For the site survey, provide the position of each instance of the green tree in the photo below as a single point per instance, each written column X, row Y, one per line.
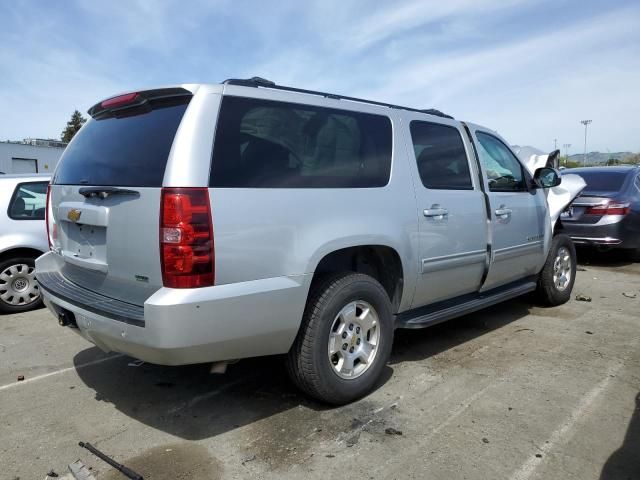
column 73, row 125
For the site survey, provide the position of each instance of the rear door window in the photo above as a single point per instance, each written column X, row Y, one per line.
column 28, row 201
column 267, row 144
column 128, row 150
column 441, row 157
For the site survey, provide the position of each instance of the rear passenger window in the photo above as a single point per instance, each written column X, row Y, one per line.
column 267, row 144
column 441, row 157
column 28, row 201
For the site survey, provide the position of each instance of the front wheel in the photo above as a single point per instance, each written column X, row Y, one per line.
column 345, row 339
column 558, row 275
column 19, row 290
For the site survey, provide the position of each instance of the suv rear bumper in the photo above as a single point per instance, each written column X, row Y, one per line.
column 184, row 326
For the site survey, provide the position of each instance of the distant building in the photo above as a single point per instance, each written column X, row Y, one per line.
column 32, row 155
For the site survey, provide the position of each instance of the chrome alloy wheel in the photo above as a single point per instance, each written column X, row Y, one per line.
column 562, row 269
column 18, row 285
column 353, row 340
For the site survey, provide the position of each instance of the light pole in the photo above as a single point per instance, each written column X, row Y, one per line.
column 555, row 143
column 566, row 153
column 586, row 124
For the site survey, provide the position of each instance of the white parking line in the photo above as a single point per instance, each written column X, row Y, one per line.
column 529, row 467
column 58, row 372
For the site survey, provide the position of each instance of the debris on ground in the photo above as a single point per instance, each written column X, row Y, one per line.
column 581, row 269
column 583, row 298
column 629, row 294
column 250, row 459
column 80, row 471
column 351, row 441
column 330, row 456
column 485, row 440
column 126, row 471
column 538, row 455
column 52, row 474
column 20, row 378
column 135, row 363
column 589, row 332
column 392, row 431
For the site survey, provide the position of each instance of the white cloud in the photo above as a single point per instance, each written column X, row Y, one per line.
column 482, row 60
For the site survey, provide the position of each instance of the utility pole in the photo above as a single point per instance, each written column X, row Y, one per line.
column 566, row 153
column 586, row 124
column 555, row 143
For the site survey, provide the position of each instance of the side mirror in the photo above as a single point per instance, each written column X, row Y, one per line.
column 546, row 177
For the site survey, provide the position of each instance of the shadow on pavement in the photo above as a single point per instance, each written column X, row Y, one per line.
column 624, row 463
column 612, row 258
column 191, row 404
column 417, row 345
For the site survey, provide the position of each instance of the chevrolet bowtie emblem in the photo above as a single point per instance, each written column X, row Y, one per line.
column 74, row 215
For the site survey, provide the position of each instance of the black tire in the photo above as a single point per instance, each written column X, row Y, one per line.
column 308, row 361
column 5, row 306
column 547, row 292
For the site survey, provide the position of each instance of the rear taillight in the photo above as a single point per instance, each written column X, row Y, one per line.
column 609, row 209
column 52, row 228
column 186, row 238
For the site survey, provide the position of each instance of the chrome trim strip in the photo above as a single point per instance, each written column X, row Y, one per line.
column 603, row 240
column 446, row 262
column 516, row 250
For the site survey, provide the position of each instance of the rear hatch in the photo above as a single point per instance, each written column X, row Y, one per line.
column 106, row 194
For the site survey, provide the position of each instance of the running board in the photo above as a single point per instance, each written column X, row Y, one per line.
column 433, row 314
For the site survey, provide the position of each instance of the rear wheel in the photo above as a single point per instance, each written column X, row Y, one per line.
column 19, row 290
column 345, row 338
column 558, row 275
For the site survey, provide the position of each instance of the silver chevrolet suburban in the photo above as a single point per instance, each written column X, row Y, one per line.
column 210, row 223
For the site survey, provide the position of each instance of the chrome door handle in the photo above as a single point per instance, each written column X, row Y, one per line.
column 503, row 211
column 436, row 211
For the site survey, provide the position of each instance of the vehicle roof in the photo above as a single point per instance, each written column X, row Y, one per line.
column 262, row 84
column 612, row 168
column 25, row 176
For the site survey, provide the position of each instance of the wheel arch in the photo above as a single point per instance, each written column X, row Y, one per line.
column 380, row 261
column 20, row 252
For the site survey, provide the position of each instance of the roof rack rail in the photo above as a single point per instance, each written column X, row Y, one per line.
column 262, row 82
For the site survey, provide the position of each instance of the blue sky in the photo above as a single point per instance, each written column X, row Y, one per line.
column 529, row 69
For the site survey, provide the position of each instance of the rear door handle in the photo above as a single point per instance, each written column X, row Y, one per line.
column 436, row 211
column 503, row 211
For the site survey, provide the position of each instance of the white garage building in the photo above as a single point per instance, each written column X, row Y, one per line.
column 32, row 155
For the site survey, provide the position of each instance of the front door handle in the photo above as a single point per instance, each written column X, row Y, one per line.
column 503, row 211
column 436, row 211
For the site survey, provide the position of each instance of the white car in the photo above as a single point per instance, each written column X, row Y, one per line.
column 23, row 237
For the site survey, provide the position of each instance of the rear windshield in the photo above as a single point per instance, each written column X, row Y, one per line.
column 129, row 151
column 267, row 144
column 600, row 181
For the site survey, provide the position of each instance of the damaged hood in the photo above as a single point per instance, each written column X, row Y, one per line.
column 558, row 198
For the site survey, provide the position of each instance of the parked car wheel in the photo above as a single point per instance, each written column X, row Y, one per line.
column 345, row 339
column 19, row 290
column 558, row 275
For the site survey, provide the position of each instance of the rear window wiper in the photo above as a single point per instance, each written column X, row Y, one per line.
column 105, row 192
